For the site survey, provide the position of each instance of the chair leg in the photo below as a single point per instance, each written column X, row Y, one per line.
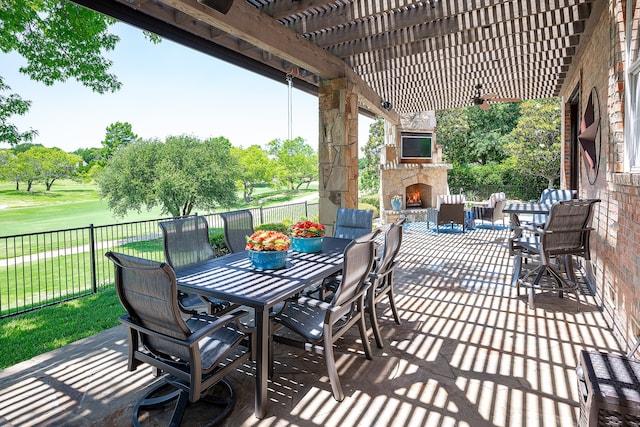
column 517, row 269
column 373, row 319
column 331, row 368
column 148, row 401
column 392, row 303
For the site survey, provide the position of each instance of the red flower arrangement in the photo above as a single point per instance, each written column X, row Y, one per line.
column 268, row 240
column 306, row 229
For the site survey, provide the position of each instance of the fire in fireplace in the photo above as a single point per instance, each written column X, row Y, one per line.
column 413, row 199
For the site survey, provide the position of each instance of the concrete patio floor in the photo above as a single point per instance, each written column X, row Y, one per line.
column 469, row 352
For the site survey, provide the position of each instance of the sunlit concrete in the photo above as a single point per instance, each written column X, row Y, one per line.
column 469, row 352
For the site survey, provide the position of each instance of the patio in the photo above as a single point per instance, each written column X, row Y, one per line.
column 469, row 352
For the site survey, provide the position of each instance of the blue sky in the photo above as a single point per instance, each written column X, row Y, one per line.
column 167, row 90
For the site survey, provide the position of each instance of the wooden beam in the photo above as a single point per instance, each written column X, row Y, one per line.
column 249, row 24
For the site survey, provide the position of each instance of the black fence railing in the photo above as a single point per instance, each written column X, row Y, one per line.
column 40, row 269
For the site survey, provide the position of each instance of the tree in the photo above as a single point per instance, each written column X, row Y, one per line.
column 451, row 132
column 255, row 167
column 296, row 162
column 56, row 164
column 26, row 167
column 535, row 141
column 118, row 134
column 370, row 175
column 11, row 105
column 178, row 175
column 40, row 164
column 472, row 135
column 59, row 40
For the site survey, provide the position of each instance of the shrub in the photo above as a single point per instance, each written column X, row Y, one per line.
column 218, row 243
column 276, row 226
column 371, row 199
column 367, row 206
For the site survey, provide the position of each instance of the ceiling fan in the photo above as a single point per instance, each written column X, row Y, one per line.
column 483, row 100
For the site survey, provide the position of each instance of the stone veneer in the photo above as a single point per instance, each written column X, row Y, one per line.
column 396, row 176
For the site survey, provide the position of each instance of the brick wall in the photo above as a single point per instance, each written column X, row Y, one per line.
column 615, row 245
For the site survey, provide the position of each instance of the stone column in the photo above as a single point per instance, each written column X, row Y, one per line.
column 338, row 149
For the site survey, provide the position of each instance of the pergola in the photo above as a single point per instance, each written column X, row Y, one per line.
column 387, row 58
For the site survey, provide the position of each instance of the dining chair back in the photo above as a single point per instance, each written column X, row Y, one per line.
column 196, row 352
column 320, row 324
column 550, row 196
column 238, row 225
column 352, row 223
column 186, row 242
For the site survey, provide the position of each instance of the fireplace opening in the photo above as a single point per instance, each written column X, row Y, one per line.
column 414, row 200
column 418, row 196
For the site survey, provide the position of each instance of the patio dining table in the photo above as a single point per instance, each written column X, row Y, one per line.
column 516, row 209
column 232, row 278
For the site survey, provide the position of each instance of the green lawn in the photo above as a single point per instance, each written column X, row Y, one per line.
column 70, row 204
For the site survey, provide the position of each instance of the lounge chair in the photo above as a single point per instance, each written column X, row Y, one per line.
column 492, row 211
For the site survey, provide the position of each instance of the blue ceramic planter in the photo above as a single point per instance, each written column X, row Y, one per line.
column 268, row 260
column 306, row 244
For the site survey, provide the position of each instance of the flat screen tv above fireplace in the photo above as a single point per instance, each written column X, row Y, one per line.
column 415, row 146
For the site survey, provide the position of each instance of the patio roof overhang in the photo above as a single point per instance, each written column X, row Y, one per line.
column 417, row 55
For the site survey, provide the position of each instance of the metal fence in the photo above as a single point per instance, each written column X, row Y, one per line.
column 40, row 269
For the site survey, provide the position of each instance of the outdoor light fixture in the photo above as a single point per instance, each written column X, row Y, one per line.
column 386, row 105
column 221, row 6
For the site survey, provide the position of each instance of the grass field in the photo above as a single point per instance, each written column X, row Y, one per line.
column 70, row 204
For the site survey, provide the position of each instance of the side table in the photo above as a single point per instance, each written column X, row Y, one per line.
column 609, row 390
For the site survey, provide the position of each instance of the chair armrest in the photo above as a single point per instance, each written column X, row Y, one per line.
column 197, row 335
column 312, row 302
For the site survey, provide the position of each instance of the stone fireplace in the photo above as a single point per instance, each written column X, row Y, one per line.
column 418, row 182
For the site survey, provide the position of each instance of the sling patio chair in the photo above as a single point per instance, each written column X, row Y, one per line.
column 317, row 324
column 565, row 234
column 186, row 242
column 550, row 196
column 352, row 223
column 382, row 278
column 194, row 354
column 238, row 225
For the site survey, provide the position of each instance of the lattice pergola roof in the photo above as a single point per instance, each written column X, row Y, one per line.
column 419, row 55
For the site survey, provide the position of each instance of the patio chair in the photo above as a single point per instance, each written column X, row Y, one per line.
column 186, row 242
column 492, row 211
column 565, row 234
column 319, row 324
column 195, row 353
column 352, row 223
column 550, row 196
column 382, row 278
column 450, row 210
column 238, row 225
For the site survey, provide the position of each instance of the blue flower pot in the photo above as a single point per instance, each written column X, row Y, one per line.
column 268, row 260
column 396, row 205
column 306, row 244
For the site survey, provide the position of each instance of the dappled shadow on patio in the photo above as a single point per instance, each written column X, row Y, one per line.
column 469, row 352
